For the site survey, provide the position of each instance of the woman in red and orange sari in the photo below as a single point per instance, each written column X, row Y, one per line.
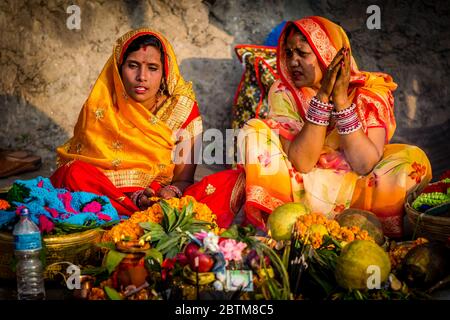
column 139, row 109
column 325, row 142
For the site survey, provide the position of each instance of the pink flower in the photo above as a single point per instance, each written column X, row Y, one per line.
column 201, row 235
column 93, row 206
column 264, row 158
column 103, row 216
column 231, row 249
column 45, row 225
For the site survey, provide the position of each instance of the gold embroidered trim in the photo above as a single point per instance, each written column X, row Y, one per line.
column 129, row 178
column 195, row 127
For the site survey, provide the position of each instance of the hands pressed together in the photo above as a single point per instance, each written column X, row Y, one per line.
column 336, row 80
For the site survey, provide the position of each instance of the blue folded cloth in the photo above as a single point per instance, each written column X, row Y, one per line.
column 61, row 206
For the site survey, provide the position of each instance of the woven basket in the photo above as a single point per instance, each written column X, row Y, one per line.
column 428, row 226
column 77, row 248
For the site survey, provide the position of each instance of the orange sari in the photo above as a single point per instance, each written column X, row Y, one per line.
column 118, row 138
column 331, row 186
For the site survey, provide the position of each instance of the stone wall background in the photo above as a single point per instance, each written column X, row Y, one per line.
column 47, row 70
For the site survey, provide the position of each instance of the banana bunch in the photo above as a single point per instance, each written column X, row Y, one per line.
column 430, row 200
column 204, row 278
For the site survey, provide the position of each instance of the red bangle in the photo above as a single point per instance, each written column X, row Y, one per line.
column 155, row 186
column 175, row 190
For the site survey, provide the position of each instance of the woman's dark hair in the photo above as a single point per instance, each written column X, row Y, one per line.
column 290, row 30
column 143, row 41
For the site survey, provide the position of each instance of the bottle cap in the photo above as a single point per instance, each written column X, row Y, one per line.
column 24, row 212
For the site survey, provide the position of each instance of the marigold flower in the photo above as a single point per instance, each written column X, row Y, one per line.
column 130, row 228
column 4, row 205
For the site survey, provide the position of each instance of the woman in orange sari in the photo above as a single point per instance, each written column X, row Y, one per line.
column 325, row 142
column 138, row 111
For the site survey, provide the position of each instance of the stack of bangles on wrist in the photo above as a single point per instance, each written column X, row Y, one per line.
column 319, row 112
column 347, row 120
column 175, row 190
column 136, row 196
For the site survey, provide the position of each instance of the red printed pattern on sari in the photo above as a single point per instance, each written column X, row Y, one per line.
column 418, row 171
column 320, row 39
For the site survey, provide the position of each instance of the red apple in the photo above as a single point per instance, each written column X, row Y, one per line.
column 182, row 258
column 205, row 262
column 191, row 250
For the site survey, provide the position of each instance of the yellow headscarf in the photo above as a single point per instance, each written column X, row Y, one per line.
column 120, row 136
column 370, row 91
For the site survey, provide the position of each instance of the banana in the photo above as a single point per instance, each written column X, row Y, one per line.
column 203, row 277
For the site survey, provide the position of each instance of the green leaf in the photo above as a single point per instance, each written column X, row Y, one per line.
column 232, row 232
column 112, row 294
column 168, row 215
column 172, row 252
column 155, row 254
column 155, row 231
column 174, row 220
column 113, row 259
column 188, row 215
column 164, row 246
column 151, row 226
column 18, row 193
column 106, row 245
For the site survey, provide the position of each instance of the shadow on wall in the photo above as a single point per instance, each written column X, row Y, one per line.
column 27, row 128
column 215, row 82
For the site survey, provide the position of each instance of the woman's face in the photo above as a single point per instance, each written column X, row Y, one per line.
column 141, row 75
column 302, row 63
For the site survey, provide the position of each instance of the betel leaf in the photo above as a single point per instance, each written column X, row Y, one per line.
column 113, row 259
column 112, row 294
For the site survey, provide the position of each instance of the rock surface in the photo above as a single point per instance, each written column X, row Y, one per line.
column 48, row 70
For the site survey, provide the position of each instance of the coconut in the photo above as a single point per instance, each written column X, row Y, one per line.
column 358, row 261
column 283, row 218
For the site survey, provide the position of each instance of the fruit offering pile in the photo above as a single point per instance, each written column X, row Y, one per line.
column 174, row 250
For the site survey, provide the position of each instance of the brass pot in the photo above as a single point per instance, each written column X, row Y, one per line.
column 77, row 248
column 132, row 270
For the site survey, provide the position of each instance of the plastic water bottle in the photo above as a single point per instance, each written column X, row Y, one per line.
column 28, row 245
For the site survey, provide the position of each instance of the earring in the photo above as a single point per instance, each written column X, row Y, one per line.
column 162, row 88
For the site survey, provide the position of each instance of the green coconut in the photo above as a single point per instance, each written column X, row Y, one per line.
column 283, row 218
column 352, row 265
column 363, row 219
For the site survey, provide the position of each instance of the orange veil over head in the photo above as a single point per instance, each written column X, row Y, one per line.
column 370, row 91
column 132, row 146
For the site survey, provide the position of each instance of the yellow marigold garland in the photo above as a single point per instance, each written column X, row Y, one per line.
column 311, row 228
column 131, row 230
